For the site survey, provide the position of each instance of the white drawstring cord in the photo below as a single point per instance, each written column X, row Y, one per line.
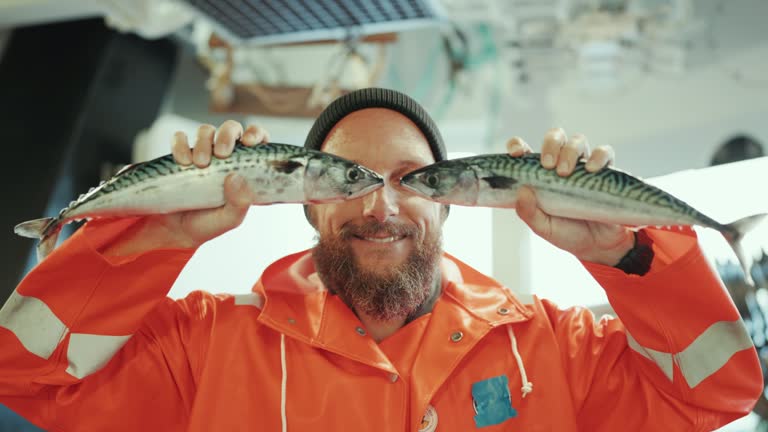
column 527, row 385
column 283, row 386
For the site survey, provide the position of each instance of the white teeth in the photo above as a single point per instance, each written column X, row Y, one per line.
column 381, row 240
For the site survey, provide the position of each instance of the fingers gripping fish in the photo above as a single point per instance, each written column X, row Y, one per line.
column 609, row 195
column 277, row 173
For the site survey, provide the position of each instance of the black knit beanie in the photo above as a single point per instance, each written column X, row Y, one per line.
column 374, row 98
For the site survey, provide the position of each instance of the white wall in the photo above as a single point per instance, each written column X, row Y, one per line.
column 661, row 124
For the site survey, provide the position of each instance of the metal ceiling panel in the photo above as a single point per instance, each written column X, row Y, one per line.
column 283, row 21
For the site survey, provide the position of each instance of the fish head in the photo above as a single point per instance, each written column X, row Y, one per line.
column 330, row 178
column 447, row 182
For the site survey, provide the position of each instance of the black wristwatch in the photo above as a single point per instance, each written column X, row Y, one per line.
column 638, row 260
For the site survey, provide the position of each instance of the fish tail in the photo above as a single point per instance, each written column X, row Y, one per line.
column 734, row 232
column 46, row 229
column 34, row 228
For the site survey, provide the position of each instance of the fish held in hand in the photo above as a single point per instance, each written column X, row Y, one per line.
column 277, row 173
column 609, row 195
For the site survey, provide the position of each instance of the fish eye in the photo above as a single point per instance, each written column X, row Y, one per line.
column 353, row 174
column 432, row 180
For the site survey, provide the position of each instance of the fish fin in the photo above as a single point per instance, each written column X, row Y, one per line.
column 40, row 229
column 33, row 228
column 121, row 171
column 46, row 245
column 499, row 182
column 286, row 166
column 734, row 233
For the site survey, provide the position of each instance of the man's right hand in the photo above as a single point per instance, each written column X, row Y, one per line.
column 190, row 229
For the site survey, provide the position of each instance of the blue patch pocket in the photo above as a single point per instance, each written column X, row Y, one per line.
column 492, row 402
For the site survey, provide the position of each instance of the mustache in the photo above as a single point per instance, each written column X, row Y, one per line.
column 374, row 228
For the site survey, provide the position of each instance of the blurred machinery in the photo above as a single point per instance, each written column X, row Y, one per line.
column 603, row 43
column 250, row 50
column 246, row 46
column 752, row 303
column 241, row 81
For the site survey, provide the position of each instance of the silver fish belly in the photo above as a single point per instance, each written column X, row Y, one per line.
column 277, row 173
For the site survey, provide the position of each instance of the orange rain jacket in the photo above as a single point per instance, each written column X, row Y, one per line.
column 92, row 343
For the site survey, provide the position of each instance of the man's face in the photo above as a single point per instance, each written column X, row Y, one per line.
column 380, row 251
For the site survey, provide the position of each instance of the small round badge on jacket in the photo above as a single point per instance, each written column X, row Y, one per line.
column 429, row 421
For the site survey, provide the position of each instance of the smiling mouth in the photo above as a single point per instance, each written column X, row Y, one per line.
column 381, row 239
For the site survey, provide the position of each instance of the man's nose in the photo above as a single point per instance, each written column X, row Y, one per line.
column 381, row 204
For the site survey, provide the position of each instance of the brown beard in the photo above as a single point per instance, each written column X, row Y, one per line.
column 394, row 293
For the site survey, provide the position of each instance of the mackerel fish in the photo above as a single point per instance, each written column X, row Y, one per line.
column 609, row 195
column 277, row 173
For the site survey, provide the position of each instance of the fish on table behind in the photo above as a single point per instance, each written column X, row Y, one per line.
column 277, row 173
column 609, row 195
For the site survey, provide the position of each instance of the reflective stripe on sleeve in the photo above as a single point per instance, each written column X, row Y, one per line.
column 709, row 352
column 35, row 325
column 250, row 299
column 40, row 331
column 662, row 359
column 87, row 353
column 712, row 350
